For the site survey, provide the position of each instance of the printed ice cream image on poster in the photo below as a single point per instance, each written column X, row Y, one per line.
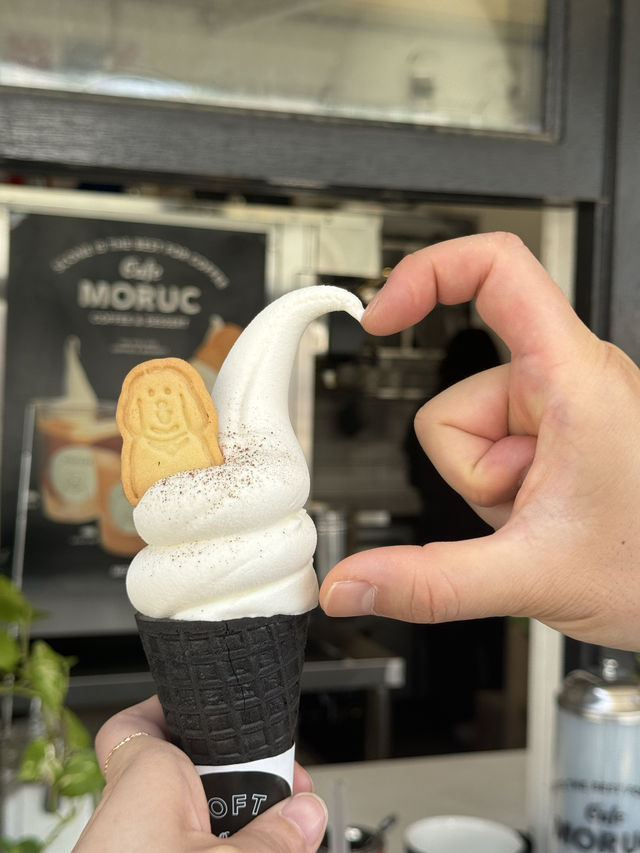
column 76, row 448
column 96, row 298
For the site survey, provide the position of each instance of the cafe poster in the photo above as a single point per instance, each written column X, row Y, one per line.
column 86, row 300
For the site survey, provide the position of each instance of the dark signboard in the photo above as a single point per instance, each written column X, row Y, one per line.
column 87, row 299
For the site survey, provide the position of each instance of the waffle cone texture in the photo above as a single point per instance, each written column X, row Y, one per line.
column 230, row 690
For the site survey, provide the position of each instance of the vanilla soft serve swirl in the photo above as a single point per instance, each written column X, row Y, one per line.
column 234, row 540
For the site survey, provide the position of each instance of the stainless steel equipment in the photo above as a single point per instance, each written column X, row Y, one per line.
column 596, row 790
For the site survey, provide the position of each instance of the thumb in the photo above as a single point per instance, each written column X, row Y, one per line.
column 438, row 582
column 296, row 825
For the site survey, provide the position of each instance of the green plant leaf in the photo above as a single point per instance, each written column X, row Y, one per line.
column 25, row 845
column 48, row 673
column 62, row 760
column 14, row 607
column 9, row 652
column 80, row 775
column 32, row 760
column 75, row 732
column 39, row 762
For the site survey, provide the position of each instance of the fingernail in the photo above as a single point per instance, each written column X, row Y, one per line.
column 350, row 598
column 309, row 814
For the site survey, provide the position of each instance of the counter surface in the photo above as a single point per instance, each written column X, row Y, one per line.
column 486, row 784
column 483, row 784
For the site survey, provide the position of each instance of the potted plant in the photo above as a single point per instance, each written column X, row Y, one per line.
column 57, row 754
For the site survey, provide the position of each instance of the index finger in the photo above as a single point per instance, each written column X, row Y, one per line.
column 514, row 294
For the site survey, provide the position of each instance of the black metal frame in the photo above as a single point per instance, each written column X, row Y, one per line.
column 112, row 136
column 624, row 326
column 587, row 155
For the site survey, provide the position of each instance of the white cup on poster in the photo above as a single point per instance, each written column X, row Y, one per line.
column 462, row 834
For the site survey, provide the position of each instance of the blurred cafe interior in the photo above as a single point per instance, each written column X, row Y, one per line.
column 218, row 153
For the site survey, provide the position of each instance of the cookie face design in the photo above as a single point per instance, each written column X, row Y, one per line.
column 168, row 424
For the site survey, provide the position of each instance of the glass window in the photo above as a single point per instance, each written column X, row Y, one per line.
column 456, row 63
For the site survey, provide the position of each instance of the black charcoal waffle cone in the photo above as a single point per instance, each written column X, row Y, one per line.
column 230, row 690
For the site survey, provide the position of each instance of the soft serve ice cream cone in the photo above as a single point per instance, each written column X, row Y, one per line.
column 224, row 588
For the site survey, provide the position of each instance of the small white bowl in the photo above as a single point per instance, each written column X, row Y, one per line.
column 461, row 834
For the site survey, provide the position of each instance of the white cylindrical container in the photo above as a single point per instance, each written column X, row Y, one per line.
column 596, row 787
